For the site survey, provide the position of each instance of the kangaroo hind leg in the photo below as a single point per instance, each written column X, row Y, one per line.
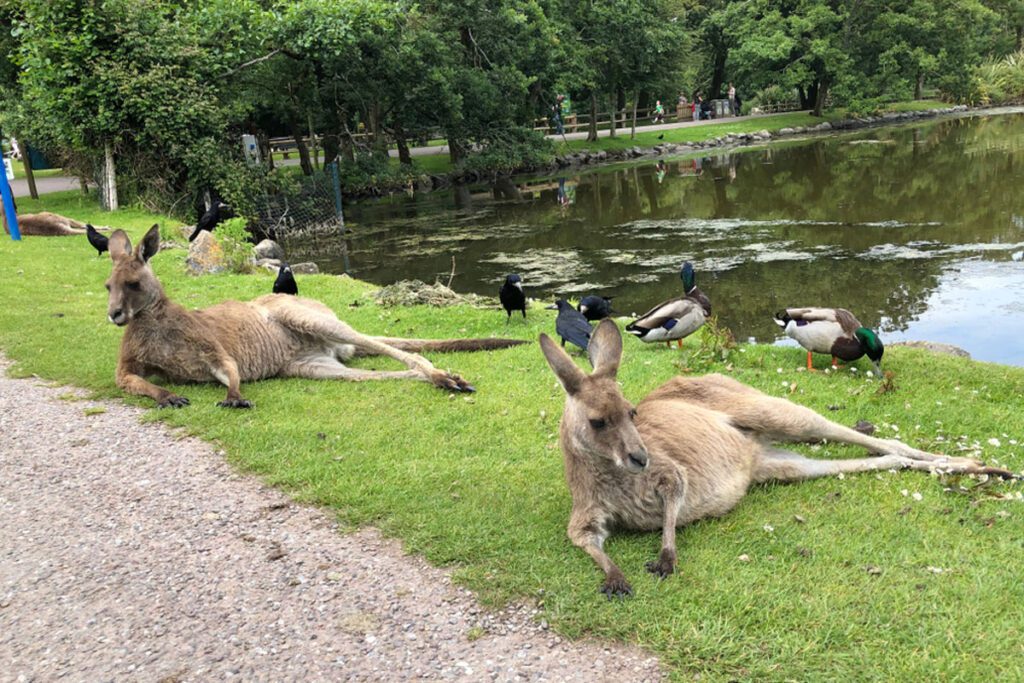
column 776, row 464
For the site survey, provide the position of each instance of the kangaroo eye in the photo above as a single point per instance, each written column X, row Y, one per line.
column 597, row 424
column 135, row 286
column 107, row 286
column 632, row 413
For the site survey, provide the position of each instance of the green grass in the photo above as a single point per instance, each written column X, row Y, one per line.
column 746, row 124
column 475, row 482
column 19, row 171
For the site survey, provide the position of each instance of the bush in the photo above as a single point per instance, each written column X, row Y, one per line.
column 233, row 237
column 999, row 81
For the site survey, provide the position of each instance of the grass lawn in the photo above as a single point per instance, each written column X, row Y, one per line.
column 745, row 124
column 475, row 482
column 19, row 171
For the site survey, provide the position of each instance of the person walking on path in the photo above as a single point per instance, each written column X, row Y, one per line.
column 732, row 100
column 659, row 112
column 556, row 115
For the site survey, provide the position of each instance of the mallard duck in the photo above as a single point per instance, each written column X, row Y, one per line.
column 675, row 318
column 834, row 331
column 595, row 307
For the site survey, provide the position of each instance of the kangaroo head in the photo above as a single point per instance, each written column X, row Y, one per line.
column 132, row 285
column 598, row 420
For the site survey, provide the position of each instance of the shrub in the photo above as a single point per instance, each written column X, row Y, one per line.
column 234, row 242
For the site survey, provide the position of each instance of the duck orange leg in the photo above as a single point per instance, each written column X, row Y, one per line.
column 810, row 366
column 668, row 343
column 835, row 363
column 679, row 343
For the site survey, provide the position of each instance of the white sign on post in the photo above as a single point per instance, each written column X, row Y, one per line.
column 9, row 169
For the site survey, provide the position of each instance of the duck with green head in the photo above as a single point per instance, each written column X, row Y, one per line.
column 676, row 318
column 834, row 331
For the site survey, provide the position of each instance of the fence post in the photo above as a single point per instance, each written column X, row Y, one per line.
column 10, row 217
column 336, row 181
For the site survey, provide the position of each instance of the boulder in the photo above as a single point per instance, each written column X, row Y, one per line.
column 271, row 264
column 786, row 131
column 305, row 268
column 269, row 249
column 205, row 255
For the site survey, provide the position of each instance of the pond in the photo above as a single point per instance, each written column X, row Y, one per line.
column 918, row 229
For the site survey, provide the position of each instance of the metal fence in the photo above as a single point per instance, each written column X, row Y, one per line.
column 306, row 218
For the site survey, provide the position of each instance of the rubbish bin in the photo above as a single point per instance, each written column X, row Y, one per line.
column 720, row 108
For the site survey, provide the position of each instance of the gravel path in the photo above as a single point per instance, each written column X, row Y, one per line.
column 130, row 553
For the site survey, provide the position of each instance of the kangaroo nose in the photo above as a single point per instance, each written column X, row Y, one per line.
column 638, row 459
column 116, row 316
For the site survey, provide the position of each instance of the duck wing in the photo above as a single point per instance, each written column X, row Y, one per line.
column 841, row 316
column 673, row 309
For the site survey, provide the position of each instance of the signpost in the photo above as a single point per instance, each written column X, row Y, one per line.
column 10, row 217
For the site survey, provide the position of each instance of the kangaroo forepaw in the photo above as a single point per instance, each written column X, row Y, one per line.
column 451, row 382
column 616, row 587
column 664, row 566
column 172, row 401
column 235, row 403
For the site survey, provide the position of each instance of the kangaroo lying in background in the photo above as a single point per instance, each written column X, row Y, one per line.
column 276, row 335
column 689, row 450
column 46, row 224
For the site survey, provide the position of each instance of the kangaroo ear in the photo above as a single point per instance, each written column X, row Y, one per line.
column 119, row 245
column 568, row 374
column 149, row 245
column 605, row 349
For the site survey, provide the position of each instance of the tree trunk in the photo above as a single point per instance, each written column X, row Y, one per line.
column 819, row 100
column 592, row 128
column 312, row 141
column 404, row 157
column 811, row 96
column 1020, row 38
column 109, row 189
column 918, row 85
column 636, row 101
column 300, row 144
column 26, row 161
column 84, row 184
column 614, row 122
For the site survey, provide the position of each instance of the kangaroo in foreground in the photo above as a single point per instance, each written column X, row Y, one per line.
column 689, row 450
column 276, row 335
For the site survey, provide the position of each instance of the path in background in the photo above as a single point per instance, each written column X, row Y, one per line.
column 19, row 186
column 128, row 552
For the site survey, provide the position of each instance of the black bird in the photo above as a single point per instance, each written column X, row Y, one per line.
column 96, row 239
column 571, row 325
column 285, row 282
column 217, row 212
column 661, row 137
column 595, row 307
column 512, row 296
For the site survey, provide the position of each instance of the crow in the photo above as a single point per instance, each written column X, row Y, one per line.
column 285, row 282
column 512, row 296
column 661, row 137
column 217, row 212
column 595, row 307
column 571, row 326
column 96, row 239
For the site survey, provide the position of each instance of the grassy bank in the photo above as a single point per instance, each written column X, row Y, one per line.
column 475, row 482
column 746, row 124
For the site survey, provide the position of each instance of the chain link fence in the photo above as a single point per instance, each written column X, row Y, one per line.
column 306, row 217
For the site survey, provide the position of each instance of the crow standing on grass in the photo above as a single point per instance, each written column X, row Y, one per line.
column 285, row 282
column 571, row 326
column 96, row 239
column 512, row 296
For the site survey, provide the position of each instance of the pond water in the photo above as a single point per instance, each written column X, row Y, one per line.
column 919, row 230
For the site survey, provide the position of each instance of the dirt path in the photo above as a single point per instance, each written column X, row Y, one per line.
column 129, row 553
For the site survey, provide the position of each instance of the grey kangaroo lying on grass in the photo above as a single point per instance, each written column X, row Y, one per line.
column 276, row 335
column 689, row 450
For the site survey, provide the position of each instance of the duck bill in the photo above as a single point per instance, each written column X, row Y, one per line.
column 878, row 368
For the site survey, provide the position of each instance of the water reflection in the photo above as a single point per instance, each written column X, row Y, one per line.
column 889, row 223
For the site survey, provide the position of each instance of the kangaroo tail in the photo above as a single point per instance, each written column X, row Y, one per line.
column 417, row 345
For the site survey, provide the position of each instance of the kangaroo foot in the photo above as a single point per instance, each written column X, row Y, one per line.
column 172, row 401
column 446, row 380
column 235, row 403
column 665, row 564
column 616, row 586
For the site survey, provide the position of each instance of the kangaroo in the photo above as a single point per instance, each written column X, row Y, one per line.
column 46, row 224
column 277, row 335
column 689, row 450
